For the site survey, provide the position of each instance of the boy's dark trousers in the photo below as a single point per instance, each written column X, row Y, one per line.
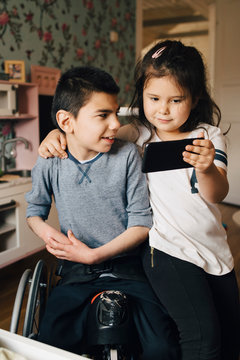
column 64, row 322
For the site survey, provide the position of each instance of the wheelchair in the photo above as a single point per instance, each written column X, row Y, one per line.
column 111, row 334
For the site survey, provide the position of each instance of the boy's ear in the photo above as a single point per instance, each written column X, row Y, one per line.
column 64, row 120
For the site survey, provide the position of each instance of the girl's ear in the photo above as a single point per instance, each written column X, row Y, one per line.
column 64, row 120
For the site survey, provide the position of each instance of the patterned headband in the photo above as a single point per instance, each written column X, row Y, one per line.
column 158, row 52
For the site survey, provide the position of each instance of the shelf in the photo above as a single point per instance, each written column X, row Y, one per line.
column 18, row 117
column 5, row 228
column 8, row 206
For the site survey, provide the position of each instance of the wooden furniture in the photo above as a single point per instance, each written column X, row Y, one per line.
column 46, row 78
column 25, row 123
column 16, row 239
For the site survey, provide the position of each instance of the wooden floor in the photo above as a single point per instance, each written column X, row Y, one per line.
column 10, row 276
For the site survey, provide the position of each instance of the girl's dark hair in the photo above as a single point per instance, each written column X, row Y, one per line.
column 186, row 66
column 76, row 86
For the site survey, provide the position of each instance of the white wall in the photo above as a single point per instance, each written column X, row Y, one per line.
column 227, row 85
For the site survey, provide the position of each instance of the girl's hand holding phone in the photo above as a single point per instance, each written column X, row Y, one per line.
column 201, row 154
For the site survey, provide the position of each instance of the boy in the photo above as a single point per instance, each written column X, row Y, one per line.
column 101, row 195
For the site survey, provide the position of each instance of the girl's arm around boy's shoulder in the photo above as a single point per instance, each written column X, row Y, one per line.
column 54, row 144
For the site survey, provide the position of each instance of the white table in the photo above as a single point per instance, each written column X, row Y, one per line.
column 34, row 350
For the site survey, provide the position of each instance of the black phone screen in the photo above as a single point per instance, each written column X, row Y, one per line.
column 165, row 155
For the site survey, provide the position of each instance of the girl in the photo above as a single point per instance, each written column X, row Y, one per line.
column 188, row 263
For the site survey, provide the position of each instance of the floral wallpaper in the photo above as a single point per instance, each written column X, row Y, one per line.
column 65, row 33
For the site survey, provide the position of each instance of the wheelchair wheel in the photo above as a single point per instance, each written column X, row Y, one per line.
column 36, row 301
column 22, row 293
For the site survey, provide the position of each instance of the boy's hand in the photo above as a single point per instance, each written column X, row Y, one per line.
column 75, row 250
column 54, row 144
column 54, row 235
column 204, row 153
column 46, row 231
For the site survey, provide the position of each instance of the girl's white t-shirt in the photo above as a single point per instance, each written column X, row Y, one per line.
column 185, row 225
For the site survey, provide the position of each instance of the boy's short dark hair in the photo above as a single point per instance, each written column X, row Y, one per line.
column 75, row 87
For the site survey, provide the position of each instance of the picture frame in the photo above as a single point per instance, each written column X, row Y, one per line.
column 15, row 69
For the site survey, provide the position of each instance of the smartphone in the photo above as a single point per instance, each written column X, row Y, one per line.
column 165, row 155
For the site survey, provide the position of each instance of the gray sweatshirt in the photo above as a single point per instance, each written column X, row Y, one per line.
column 98, row 199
